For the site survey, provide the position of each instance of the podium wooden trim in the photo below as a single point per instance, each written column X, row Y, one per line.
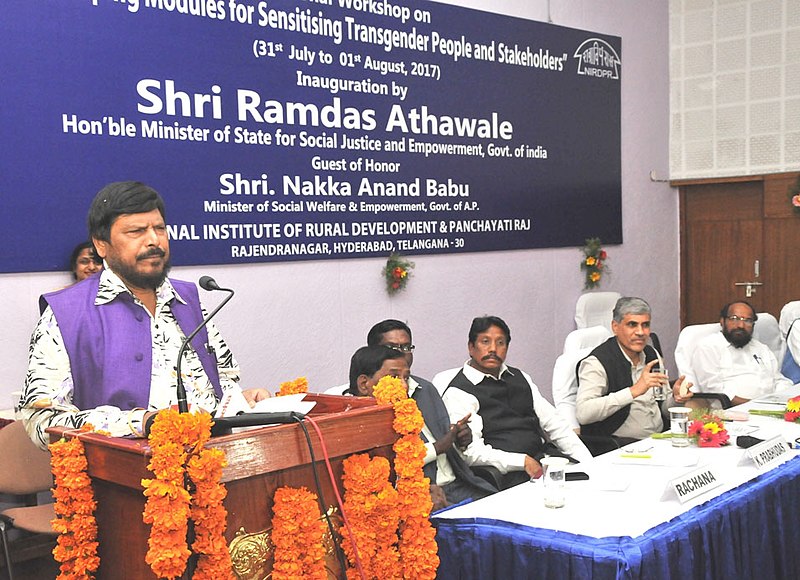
column 259, row 460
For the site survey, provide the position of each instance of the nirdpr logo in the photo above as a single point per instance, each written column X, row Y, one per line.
column 597, row 58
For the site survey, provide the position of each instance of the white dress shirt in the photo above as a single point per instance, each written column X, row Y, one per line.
column 748, row 372
column 460, row 403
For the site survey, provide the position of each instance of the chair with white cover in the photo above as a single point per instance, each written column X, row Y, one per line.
column 687, row 341
column 337, row 390
column 578, row 344
column 595, row 309
column 790, row 331
column 26, row 472
column 768, row 331
column 586, row 337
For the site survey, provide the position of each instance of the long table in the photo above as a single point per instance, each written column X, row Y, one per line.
column 624, row 522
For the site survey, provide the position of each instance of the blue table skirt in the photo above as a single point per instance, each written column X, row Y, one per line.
column 752, row 531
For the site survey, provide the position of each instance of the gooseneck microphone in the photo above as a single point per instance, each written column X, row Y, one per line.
column 206, row 283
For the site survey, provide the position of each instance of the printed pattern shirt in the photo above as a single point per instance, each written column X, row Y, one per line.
column 47, row 398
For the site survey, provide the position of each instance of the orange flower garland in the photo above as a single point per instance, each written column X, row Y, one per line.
column 418, row 547
column 76, row 547
column 297, row 532
column 177, row 442
column 299, row 385
column 371, row 504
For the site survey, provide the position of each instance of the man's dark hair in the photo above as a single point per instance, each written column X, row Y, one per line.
column 120, row 198
column 76, row 251
column 376, row 333
column 483, row 323
column 368, row 360
column 724, row 312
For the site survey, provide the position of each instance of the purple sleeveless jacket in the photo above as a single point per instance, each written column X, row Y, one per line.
column 110, row 347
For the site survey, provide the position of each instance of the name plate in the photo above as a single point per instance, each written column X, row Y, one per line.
column 690, row 485
column 768, row 454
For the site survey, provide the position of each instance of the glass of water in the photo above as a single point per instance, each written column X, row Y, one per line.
column 660, row 391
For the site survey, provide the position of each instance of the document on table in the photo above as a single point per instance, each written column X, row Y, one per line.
column 656, row 455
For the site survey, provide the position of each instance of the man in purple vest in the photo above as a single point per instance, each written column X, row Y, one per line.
column 105, row 350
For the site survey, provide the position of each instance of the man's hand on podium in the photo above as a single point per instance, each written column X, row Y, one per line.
column 253, row 396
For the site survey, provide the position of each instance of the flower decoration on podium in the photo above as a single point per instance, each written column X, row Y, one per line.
column 593, row 263
column 708, row 430
column 396, row 272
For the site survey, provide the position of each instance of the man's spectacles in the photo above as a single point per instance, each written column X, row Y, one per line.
column 401, row 347
column 747, row 321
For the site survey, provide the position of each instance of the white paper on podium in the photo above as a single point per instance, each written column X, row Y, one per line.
column 233, row 403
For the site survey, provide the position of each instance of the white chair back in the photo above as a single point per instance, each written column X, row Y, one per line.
column 337, row 390
column 578, row 344
column 595, row 309
column 768, row 331
column 586, row 337
column 789, row 313
column 687, row 340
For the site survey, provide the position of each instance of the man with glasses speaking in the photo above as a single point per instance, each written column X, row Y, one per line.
column 734, row 363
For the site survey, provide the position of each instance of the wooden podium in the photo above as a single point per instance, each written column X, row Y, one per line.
column 259, row 461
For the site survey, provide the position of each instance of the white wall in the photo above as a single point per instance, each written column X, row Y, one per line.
column 307, row 318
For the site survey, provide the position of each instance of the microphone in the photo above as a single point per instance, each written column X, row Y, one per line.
column 206, row 283
column 745, row 441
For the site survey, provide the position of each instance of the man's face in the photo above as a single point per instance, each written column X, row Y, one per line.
column 396, row 367
column 632, row 333
column 738, row 331
column 489, row 351
column 399, row 340
column 138, row 249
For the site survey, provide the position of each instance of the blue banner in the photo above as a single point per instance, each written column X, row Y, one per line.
column 308, row 129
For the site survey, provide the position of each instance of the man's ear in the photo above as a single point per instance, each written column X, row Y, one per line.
column 361, row 383
column 100, row 247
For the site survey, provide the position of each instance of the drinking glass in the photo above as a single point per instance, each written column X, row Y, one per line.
column 679, row 426
column 553, row 477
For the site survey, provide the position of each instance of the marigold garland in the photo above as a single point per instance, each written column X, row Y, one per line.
column 299, row 385
column 76, row 547
column 177, row 443
column 297, row 533
column 371, row 504
column 418, row 549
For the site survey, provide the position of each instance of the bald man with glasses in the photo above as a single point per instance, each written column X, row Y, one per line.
column 734, row 363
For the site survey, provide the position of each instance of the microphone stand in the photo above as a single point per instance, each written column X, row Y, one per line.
column 206, row 283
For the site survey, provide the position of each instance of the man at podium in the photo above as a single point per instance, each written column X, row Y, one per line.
column 105, row 350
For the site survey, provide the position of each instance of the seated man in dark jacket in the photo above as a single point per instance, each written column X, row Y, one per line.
column 615, row 382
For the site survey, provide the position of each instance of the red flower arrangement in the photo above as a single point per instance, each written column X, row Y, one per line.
column 790, row 414
column 396, row 273
column 708, row 430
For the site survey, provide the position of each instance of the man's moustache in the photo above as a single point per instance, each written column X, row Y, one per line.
column 156, row 253
column 491, row 356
